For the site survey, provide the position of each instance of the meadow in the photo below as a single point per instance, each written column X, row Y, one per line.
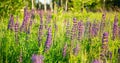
column 35, row 36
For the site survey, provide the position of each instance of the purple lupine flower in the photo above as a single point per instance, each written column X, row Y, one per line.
column 80, row 30
column 96, row 61
column 102, row 24
column 110, row 55
column 31, row 20
column 115, row 28
column 32, row 14
column 119, row 31
column 16, row 25
column 74, row 29
column 55, row 25
column 25, row 20
column 105, row 40
column 20, row 57
column 103, row 16
column 32, row 17
column 16, row 30
column 118, row 54
column 90, row 30
column 48, row 19
column 25, row 11
column 55, row 29
column 40, row 33
column 49, row 39
column 95, row 29
column 11, row 23
column 29, row 27
column 68, row 29
column 41, row 16
column 104, row 50
column 30, row 24
column 64, row 50
column 119, row 51
column 76, row 50
column 87, row 25
column 37, row 58
column 49, row 16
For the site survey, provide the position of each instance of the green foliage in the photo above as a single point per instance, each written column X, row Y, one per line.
column 8, row 7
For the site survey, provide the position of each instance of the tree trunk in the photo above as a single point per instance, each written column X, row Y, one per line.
column 32, row 4
column 66, row 5
column 51, row 6
column 61, row 2
column 45, row 5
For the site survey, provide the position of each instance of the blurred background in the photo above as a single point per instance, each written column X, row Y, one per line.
column 16, row 6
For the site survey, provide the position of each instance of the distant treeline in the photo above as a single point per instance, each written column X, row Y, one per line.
column 8, row 7
column 92, row 5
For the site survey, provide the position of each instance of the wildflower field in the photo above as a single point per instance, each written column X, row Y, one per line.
column 62, row 37
column 38, row 36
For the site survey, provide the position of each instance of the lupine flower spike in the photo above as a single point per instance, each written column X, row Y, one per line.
column 11, row 23
column 40, row 33
column 115, row 28
column 118, row 54
column 64, row 50
column 16, row 28
column 68, row 30
column 80, row 30
column 104, row 50
column 102, row 24
column 37, row 58
column 49, row 39
column 76, row 50
column 74, row 29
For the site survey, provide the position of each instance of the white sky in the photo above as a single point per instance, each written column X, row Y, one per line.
column 42, row 1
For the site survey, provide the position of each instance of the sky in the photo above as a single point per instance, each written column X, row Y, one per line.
column 42, row 1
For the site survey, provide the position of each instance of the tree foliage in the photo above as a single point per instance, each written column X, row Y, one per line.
column 11, row 7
